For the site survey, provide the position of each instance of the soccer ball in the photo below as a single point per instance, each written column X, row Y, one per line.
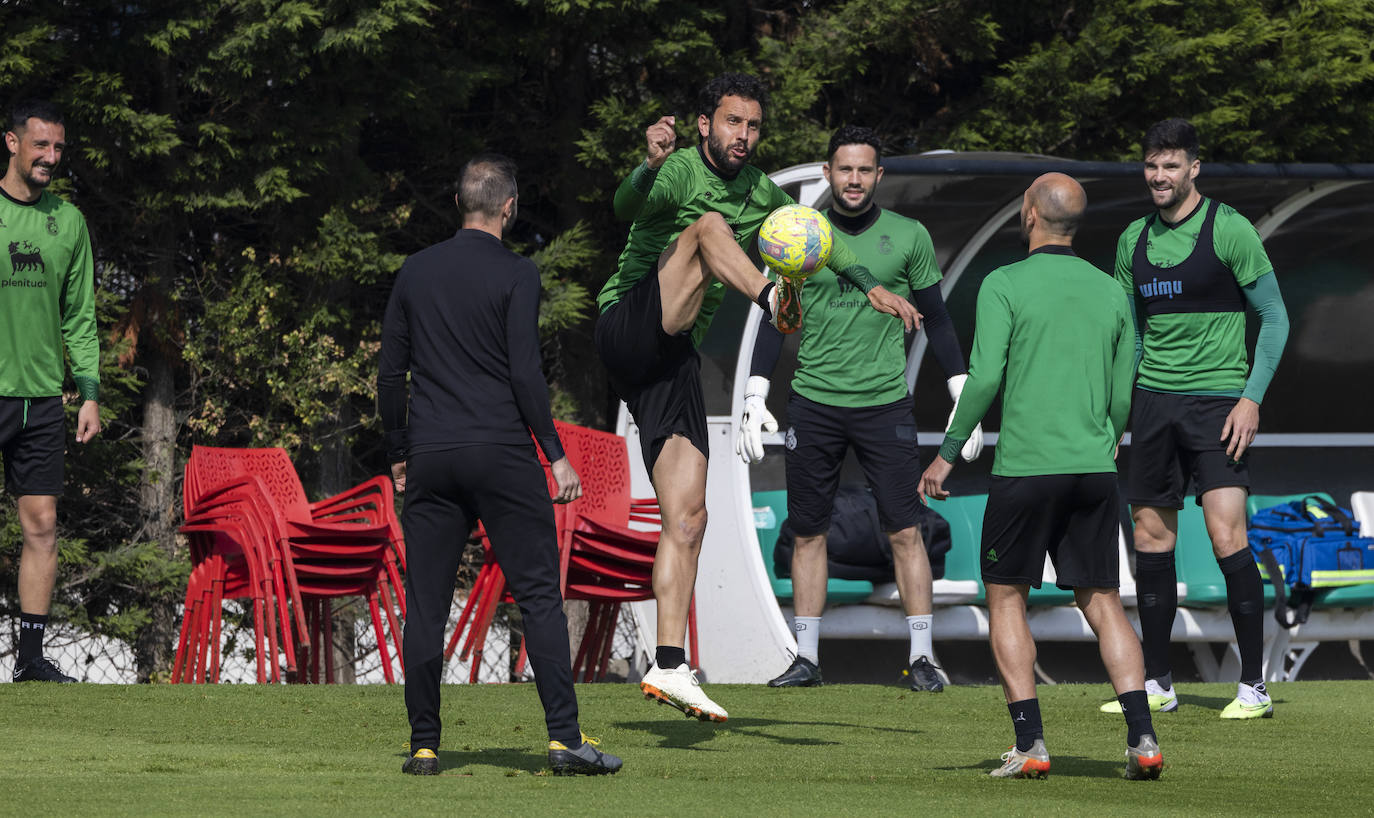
column 795, row 241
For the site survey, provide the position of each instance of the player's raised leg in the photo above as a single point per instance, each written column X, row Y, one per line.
column 706, row 251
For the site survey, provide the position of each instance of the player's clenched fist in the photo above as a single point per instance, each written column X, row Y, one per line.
column 662, row 139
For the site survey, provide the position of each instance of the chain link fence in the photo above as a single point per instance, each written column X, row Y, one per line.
column 104, row 660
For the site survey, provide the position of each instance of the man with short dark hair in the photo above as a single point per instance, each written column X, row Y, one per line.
column 693, row 214
column 850, row 390
column 1191, row 268
column 47, row 298
column 463, row 320
column 1054, row 334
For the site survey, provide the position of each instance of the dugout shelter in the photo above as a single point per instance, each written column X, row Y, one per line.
column 1317, row 432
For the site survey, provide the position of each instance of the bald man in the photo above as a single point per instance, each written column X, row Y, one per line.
column 1055, row 333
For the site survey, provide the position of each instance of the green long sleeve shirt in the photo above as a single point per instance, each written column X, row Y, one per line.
column 663, row 203
column 1054, row 334
column 47, row 298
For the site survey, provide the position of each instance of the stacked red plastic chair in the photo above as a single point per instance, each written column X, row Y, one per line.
column 603, row 560
column 254, row 534
column 606, row 561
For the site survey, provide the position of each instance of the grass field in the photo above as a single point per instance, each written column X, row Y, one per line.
column 838, row 750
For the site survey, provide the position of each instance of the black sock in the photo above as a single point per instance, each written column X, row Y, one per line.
column 762, row 299
column 1025, row 719
column 1245, row 601
column 31, row 627
column 669, row 658
column 1135, row 706
column 1156, row 593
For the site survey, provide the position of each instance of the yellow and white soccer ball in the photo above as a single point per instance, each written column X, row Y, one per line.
column 795, row 241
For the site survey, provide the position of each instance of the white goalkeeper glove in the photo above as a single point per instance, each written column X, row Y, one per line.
column 974, row 445
column 754, row 421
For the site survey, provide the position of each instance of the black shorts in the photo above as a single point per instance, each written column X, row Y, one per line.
column 657, row 375
column 32, row 443
column 1174, row 437
column 884, row 440
column 1075, row 518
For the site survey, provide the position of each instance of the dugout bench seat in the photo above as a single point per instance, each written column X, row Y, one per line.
column 1203, row 623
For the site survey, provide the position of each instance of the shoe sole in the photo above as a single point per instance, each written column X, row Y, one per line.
column 1032, row 770
column 1115, row 708
column 789, row 310
column 1242, row 715
column 410, row 770
column 1145, row 769
column 806, row 683
column 690, row 711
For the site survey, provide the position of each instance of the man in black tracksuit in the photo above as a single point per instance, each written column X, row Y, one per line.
column 463, row 321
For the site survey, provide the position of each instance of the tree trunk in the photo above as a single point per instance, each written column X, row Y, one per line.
column 335, row 474
column 155, row 646
column 577, row 611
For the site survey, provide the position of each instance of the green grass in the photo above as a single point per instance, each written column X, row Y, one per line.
column 839, row 750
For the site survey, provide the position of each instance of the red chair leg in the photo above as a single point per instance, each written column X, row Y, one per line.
column 381, row 638
column 477, row 635
column 216, row 622
column 609, row 642
column 584, row 647
column 328, row 649
column 384, row 592
column 187, row 619
column 475, row 596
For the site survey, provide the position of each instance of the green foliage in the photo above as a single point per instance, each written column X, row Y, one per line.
column 1091, row 91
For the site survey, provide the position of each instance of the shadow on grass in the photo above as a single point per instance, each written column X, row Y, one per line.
column 1060, row 766
column 1203, row 702
column 685, row 734
column 499, row 759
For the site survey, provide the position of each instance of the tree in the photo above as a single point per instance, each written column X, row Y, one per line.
column 1263, row 81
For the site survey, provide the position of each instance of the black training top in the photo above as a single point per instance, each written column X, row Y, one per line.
column 464, row 321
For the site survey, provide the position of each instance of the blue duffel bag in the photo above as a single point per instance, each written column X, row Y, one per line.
column 1305, row 545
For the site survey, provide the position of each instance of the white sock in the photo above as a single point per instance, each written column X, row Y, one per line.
column 1251, row 694
column 808, row 630
column 919, row 628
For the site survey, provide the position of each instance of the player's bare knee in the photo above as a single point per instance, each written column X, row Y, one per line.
column 710, row 221
column 1227, row 542
column 38, row 524
column 906, row 543
column 684, row 529
column 1152, row 536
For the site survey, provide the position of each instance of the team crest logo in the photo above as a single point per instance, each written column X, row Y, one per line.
column 24, row 257
column 885, row 245
column 52, row 226
column 791, row 441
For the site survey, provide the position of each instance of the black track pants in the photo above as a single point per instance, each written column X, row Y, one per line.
column 446, row 493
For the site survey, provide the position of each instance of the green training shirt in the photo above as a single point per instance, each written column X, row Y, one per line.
column 684, row 189
column 1054, row 333
column 47, row 296
column 851, row 354
column 1194, row 352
